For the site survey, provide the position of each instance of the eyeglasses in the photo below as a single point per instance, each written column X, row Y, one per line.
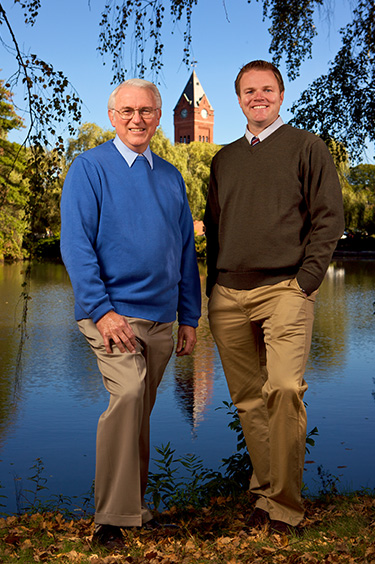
column 128, row 113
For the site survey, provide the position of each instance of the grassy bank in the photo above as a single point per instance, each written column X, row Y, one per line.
column 337, row 528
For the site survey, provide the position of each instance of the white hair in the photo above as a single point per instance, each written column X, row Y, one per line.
column 139, row 83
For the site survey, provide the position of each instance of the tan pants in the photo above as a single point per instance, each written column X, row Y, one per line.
column 123, row 434
column 264, row 337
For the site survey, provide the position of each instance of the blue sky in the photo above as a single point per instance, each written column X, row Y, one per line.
column 66, row 35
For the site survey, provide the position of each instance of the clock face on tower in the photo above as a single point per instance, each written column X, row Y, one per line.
column 193, row 115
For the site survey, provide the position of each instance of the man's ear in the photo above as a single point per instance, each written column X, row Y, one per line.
column 111, row 117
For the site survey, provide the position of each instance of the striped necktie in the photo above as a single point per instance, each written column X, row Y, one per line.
column 255, row 141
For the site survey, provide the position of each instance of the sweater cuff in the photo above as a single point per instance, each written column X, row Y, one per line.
column 307, row 282
column 100, row 311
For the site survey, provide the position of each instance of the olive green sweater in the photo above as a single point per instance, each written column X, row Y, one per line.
column 274, row 211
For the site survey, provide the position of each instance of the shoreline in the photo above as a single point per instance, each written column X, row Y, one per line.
column 340, row 253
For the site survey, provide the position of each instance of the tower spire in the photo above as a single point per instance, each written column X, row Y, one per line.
column 193, row 114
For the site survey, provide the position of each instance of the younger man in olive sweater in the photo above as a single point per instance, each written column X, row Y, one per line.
column 273, row 218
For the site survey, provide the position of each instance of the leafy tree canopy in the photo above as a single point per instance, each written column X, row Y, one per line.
column 362, row 177
column 89, row 135
column 340, row 104
column 8, row 118
column 359, row 199
column 14, row 191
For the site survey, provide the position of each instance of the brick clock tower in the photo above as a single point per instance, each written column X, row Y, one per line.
column 193, row 114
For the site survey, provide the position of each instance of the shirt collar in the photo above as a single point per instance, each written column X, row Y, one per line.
column 130, row 155
column 266, row 132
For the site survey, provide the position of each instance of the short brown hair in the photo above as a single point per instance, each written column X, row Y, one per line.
column 259, row 65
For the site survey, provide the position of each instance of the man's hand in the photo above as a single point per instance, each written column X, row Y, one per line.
column 114, row 327
column 186, row 340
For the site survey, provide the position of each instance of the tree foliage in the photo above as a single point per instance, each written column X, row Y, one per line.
column 14, row 191
column 50, row 102
column 89, row 135
column 341, row 103
column 133, row 34
column 8, row 118
column 193, row 160
column 360, row 199
column 49, row 97
column 135, row 27
column 292, row 31
column 130, row 25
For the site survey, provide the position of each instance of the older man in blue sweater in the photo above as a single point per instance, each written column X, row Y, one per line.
column 127, row 241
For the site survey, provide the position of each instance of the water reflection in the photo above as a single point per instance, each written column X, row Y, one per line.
column 55, row 348
column 11, row 278
column 330, row 325
column 62, row 394
column 194, row 375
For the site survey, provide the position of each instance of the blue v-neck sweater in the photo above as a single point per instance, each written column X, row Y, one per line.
column 127, row 239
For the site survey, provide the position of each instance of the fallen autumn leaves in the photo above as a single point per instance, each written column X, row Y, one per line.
column 340, row 529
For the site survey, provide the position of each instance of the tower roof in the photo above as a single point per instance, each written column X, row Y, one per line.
column 193, row 92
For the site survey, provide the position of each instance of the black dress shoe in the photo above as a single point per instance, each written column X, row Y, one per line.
column 280, row 528
column 109, row 537
column 154, row 524
column 257, row 519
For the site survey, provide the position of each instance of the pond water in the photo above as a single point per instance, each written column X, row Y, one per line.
column 60, row 395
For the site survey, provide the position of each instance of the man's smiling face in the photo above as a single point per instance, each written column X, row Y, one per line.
column 137, row 131
column 260, row 99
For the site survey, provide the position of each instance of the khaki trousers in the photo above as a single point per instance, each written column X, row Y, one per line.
column 123, row 434
column 263, row 337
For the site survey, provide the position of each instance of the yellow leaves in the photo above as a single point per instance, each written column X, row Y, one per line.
column 216, row 535
column 267, row 551
column 113, row 559
column 76, row 557
column 223, row 541
column 72, row 556
column 43, row 556
column 370, row 553
column 26, row 544
column 309, row 558
column 221, row 500
column 11, row 521
column 190, row 545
